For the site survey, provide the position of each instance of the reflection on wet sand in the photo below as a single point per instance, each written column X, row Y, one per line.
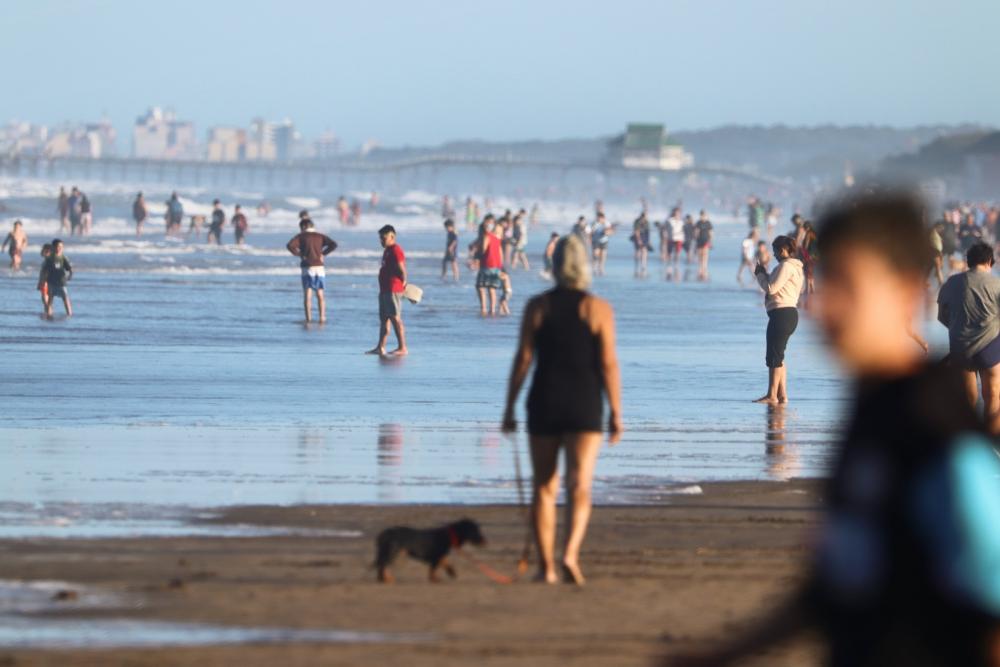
column 780, row 447
column 388, row 459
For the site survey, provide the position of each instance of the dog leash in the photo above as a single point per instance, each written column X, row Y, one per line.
column 487, row 571
column 522, row 562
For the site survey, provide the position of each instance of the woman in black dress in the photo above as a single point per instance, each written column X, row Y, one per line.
column 569, row 335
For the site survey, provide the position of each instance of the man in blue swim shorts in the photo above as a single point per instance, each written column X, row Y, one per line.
column 311, row 247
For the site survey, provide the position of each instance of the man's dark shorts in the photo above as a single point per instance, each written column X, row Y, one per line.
column 985, row 359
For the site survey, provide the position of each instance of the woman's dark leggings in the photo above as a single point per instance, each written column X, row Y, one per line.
column 781, row 324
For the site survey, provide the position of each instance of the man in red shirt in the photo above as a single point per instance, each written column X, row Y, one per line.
column 311, row 247
column 391, row 283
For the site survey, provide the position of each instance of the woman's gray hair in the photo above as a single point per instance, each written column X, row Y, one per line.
column 570, row 264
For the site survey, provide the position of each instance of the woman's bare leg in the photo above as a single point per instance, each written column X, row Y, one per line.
column 773, row 378
column 581, row 456
column 545, row 485
column 783, row 384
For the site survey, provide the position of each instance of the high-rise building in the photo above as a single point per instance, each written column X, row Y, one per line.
column 260, row 141
column 284, row 137
column 327, row 146
column 227, row 144
column 159, row 135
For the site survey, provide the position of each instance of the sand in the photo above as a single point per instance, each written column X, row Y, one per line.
column 661, row 580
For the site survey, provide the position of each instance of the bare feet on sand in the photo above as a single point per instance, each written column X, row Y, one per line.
column 572, row 574
column 767, row 399
column 544, row 577
column 380, row 351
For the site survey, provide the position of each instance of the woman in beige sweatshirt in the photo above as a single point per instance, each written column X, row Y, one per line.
column 782, row 289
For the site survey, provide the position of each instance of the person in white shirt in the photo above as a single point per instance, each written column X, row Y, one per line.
column 782, row 288
column 675, row 245
column 748, row 254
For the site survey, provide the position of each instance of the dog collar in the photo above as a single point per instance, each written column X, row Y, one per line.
column 453, row 537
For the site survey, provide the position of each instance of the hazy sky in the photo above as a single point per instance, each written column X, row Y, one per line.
column 422, row 72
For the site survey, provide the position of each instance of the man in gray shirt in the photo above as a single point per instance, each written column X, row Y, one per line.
column 969, row 305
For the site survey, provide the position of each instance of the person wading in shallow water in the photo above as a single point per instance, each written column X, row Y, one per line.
column 311, row 247
column 782, row 288
column 969, row 305
column 391, row 285
column 569, row 335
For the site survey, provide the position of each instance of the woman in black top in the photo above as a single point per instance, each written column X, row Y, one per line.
column 569, row 335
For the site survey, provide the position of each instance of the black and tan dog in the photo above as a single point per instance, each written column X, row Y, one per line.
column 431, row 546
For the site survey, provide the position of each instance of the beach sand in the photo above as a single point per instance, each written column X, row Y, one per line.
column 662, row 579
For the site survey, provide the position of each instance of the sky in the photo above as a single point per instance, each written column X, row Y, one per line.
column 422, row 72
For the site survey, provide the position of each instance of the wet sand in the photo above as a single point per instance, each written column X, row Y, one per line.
column 663, row 579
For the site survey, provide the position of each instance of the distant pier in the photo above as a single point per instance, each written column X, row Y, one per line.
column 341, row 175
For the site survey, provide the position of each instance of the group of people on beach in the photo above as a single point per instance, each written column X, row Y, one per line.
column 679, row 236
column 499, row 248
column 76, row 215
column 350, row 214
column 174, row 220
column 906, row 565
column 960, row 226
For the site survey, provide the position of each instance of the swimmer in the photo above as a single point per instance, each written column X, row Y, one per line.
column 15, row 243
column 450, row 258
column 139, row 214
column 240, row 225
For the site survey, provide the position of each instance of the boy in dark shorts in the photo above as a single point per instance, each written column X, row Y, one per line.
column 56, row 272
column 450, row 250
column 218, row 222
column 906, row 567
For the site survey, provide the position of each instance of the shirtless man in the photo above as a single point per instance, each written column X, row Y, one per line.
column 139, row 213
column 15, row 243
column 63, row 206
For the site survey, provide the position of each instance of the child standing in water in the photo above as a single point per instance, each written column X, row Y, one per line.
column 43, row 287
column 450, row 258
column 240, row 225
column 506, row 293
column 56, row 272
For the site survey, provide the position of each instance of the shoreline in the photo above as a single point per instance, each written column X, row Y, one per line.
column 673, row 577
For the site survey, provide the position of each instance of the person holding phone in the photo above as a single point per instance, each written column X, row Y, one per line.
column 782, row 288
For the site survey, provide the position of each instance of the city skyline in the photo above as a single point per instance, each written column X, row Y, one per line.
column 404, row 75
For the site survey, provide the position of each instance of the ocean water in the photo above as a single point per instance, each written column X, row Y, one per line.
column 188, row 380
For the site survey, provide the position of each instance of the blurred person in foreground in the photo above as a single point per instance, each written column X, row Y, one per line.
column 906, row 566
column 569, row 336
